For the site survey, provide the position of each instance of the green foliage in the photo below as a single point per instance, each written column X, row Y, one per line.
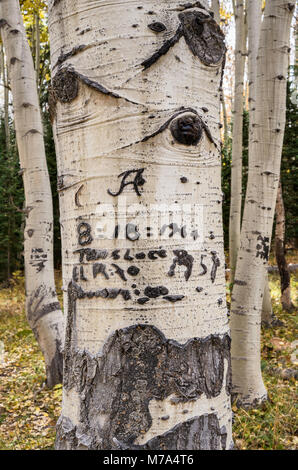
column 12, row 219
column 289, row 163
column 11, row 205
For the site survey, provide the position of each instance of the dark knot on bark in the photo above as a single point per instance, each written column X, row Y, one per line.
column 157, row 27
column 187, row 129
column 65, row 85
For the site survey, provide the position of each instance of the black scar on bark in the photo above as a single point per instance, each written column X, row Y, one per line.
column 173, row 298
column 65, row 87
column 164, row 48
column 138, row 364
column 187, row 129
column 154, row 292
column 54, row 371
column 204, row 430
column 202, row 35
column 75, row 50
column 166, row 124
column 175, row 115
column 157, row 27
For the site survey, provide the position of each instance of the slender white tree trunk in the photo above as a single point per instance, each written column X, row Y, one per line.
column 254, row 17
column 136, row 123
column 285, row 280
column 4, row 74
column 263, row 177
column 236, row 165
column 42, row 306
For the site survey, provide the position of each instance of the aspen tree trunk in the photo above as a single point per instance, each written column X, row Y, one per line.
column 6, row 100
column 254, row 16
column 42, row 306
column 284, row 272
column 236, row 165
column 136, row 119
column 263, row 177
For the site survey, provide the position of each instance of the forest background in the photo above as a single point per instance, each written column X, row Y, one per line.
column 28, row 410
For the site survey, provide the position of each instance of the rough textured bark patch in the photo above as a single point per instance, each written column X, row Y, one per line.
column 204, row 430
column 139, row 364
column 203, row 36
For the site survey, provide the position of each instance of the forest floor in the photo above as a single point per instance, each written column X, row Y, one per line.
column 29, row 411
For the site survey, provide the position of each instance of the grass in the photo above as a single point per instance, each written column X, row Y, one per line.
column 29, row 411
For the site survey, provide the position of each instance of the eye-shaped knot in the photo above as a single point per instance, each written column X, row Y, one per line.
column 187, row 129
column 157, row 27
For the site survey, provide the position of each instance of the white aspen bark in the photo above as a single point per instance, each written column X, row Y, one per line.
column 254, row 17
column 135, row 108
column 6, row 99
column 263, row 177
column 285, row 280
column 42, row 306
column 236, row 165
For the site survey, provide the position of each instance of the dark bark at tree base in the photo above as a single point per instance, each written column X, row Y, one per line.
column 274, row 322
column 284, row 275
column 54, row 372
column 137, row 365
column 246, row 403
column 201, row 433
